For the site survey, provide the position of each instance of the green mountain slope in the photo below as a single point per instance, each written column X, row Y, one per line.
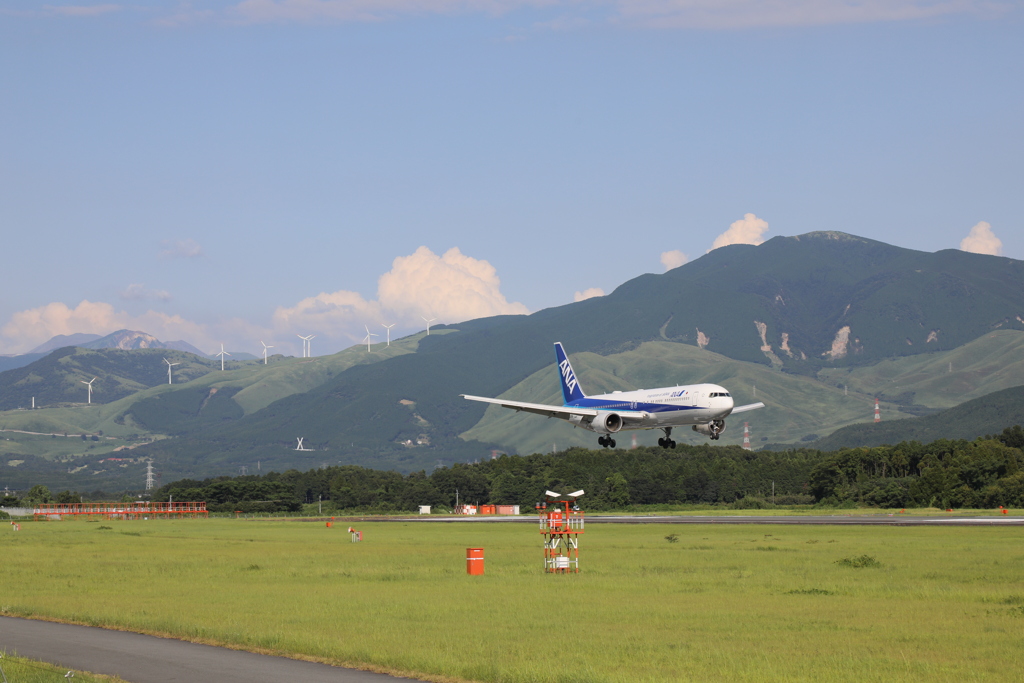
column 809, row 287
column 57, row 378
column 153, row 413
column 250, row 388
column 989, row 414
column 821, row 301
column 941, row 380
column 795, row 405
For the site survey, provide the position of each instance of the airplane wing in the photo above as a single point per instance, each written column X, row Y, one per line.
column 749, row 406
column 563, row 412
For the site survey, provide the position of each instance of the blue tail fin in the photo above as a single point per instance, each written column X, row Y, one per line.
column 570, row 385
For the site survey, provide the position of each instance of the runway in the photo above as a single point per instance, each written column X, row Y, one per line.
column 894, row 519
column 148, row 659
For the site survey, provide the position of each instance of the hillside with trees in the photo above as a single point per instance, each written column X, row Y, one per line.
column 987, row 472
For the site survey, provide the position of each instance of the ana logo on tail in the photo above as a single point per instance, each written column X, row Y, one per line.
column 568, row 376
column 571, row 390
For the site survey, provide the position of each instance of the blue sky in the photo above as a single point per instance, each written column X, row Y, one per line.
column 220, row 171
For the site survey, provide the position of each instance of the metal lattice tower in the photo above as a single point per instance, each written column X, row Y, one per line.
column 149, row 475
column 561, row 527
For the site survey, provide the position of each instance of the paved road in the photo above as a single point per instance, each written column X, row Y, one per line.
column 876, row 520
column 147, row 659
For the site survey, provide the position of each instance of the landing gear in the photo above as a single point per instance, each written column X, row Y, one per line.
column 606, row 441
column 667, row 442
column 716, row 427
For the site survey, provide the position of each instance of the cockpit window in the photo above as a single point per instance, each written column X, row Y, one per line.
column 719, row 393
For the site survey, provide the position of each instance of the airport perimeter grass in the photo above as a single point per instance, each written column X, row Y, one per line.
column 21, row 670
column 722, row 602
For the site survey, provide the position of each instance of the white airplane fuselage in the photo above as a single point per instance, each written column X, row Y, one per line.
column 694, row 404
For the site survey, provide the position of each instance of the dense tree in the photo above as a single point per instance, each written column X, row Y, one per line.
column 986, row 472
column 38, row 494
column 68, row 497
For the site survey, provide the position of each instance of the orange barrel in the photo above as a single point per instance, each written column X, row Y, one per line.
column 474, row 561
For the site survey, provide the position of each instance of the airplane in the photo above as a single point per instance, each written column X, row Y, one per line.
column 705, row 406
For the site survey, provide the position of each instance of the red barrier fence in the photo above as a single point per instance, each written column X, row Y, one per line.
column 121, row 510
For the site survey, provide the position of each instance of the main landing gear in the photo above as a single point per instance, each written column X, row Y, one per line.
column 606, row 441
column 667, row 442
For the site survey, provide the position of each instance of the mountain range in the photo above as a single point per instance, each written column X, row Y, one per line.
column 122, row 339
column 816, row 326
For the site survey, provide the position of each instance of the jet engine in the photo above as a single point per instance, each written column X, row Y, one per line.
column 606, row 423
column 712, row 429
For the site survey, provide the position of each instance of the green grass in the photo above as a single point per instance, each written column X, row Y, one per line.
column 21, row 670
column 749, row 603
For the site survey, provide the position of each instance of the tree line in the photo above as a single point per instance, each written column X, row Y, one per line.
column 986, row 472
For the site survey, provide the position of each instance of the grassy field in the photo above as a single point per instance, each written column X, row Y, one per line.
column 21, row 670
column 764, row 603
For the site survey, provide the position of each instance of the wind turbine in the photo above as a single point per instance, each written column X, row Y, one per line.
column 305, row 343
column 389, row 331
column 169, row 366
column 368, row 335
column 309, row 345
column 300, row 447
column 428, row 324
column 222, row 354
column 265, row 347
column 89, row 384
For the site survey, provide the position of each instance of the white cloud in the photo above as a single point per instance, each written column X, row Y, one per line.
column 981, row 240
column 451, row 288
column 673, row 259
column 259, row 11
column 187, row 248
column 80, row 10
column 747, row 230
column 743, row 14
column 588, row 294
column 34, row 326
column 138, row 292
column 661, row 14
